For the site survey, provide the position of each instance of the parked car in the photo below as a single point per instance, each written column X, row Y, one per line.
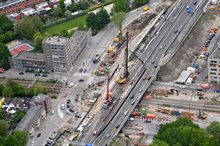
column 148, row 78
column 81, row 80
column 68, row 101
column 44, row 75
column 39, row 134
column 80, row 70
column 37, row 74
column 147, row 121
column 20, row 73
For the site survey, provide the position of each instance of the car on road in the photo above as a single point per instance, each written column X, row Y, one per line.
column 80, row 70
column 20, row 73
column 32, row 143
column 117, row 126
column 152, row 61
column 217, row 91
column 52, row 112
column 72, row 109
column 68, row 101
column 147, row 121
column 132, row 103
column 149, row 78
column 39, row 134
column 144, row 78
column 68, row 113
column 126, row 112
column 131, row 97
column 81, row 80
column 140, row 90
column 85, row 70
column 195, row 3
column 70, row 85
column 107, row 136
column 62, row 106
column 44, row 75
column 161, row 47
column 155, row 66
column 176, row 31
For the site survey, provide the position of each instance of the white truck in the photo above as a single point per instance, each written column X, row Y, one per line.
column 189, row 81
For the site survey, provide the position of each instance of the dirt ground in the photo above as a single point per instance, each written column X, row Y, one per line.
column 190, row 47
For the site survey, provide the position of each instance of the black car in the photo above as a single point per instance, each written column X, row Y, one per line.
column 44, row 75
column 37, row 74
column 195, row 3
column 175, row 31
column 148, row 78
column 117, row 126
column 131, row 97
column 155, row 66
column 68, row 101
column 81, row 80
column 147, row 121
column 39, row 134
column 20, row 73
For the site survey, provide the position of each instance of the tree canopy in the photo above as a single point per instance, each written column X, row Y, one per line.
column 118, row 18
column 121, row 6
column 28, row 26
column 4, row 126
column 5, row 24
column 183, row 132
column 214, row 130
column 140, row 2
column 99, row 20
column 5, row 54
column 22, row 137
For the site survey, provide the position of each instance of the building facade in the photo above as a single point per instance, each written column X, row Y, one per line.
column 79, row 40
column 28, row 60
column 57, row 53
column 214, row 67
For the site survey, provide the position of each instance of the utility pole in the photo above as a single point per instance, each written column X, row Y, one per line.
column 126, row 57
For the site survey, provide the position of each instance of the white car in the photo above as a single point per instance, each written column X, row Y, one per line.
column 107, row 136
column 32, row 143
column 70, row 85
column 126, row 112
column 62, row 106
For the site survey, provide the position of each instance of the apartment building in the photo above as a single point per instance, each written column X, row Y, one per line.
column 214, row 67
column 57, row 53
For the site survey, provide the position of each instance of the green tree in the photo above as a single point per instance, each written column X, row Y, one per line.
column 5, row 24
column 16, row 118
column 84, row 5
column 7, row 92
column 73, row 7
column 118, row 18
column 64, row 33
column 22, row 137
column 121, row 6
column 67, row 14
column 5, row 54
column 214, row 130
column 184, row 132
column 2, row 141
column 102, row 19
column 1, row 89
column 17, row 89
column 62, row 4
column 40, row 89
column 91, row 21
column 30, row 92
column 38, row 38
column 57, row 12
column 4, row 126
column 28, row 26
column 12, row 141
column 141, row 2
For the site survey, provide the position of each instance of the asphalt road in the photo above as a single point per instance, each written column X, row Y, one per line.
column 165, row 38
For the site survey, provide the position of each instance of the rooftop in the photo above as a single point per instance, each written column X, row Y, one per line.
column 183, row 76
column 28, row 11
column 26, row 121
column 9, row 3
column 24, row 55
column 39, row 98
column 77, row 36
column 215, row 54
column 55, row 40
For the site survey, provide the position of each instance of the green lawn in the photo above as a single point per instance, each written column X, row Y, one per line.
column 79, row 22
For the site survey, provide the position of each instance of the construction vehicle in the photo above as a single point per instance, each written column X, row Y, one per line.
column 150, row 116
column 111, row 50
column 124, row 77
column 202, row 115
column 188, row 115
column 146, row 8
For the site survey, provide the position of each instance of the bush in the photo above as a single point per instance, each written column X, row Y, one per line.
column 54, row 97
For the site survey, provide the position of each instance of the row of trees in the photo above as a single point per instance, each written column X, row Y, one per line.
column 18, row 138
column 183, row 132
column 4, row 55
column 6, row 29
column 13, row 89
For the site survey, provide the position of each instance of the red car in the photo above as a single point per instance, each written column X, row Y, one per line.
column 144, row 78
column 2, row 70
